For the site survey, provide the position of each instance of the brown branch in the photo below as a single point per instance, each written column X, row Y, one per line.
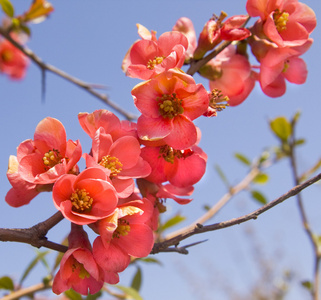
column 199, row 228
column 82, row 84
column 35, row 235
column 29, row 291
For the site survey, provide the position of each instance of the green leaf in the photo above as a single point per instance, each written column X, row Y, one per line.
column 281, row 127
column 94, row 297
column 299, row 142
column 137, row 280
column 72, row 295
column 307, row 284
column 6, row 283
column 7, row 8
column 33, row 263
column 261, row 178
column 222, row 175
column 243, row 159
column 172, row 222
column 130, row 292
column 258, row 196
column 206, row 207
column 150, row 260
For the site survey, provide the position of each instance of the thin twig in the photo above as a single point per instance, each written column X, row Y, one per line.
column 159, row 247
column 82, row 84
column 29, row 291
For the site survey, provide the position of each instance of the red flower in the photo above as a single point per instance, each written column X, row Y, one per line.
column 78, row 268
column 169, row 103
column 85, row 198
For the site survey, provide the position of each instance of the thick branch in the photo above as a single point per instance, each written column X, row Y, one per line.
column 84, row 85
column 199, row 228
column 35, row 235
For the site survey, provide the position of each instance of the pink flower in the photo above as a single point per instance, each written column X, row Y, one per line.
column 120, row 160
column 280, row 64
column 149, row 57
column 47, row 157
column 182, row 168
column 185, row 26
column 12, row 61
column 85, row 198
column 22, row 192
column 78, row 268
column 286, row 23
column 215, row 31
column 169, row 103
column 124, row 234
column 91, row 122
column 231, row 74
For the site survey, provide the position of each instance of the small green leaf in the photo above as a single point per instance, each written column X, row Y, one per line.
column 206, row 207
column 222, row 175
column 258, row 196
column 130, row 292
column 7, row 8
column 137, row 280
column 94, row 296
column 261, row 178
column 6, row 283
column 299, row 142
column 307, row 284
column 72, row 295
column 150, row 260
column 172, row 222
column 281, row 127
column 242, row 159
column 33, row 263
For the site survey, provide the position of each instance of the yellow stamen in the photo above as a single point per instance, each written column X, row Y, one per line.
column 81, row 201
column 123, row 228
column 170, row 106
column 7, row 56
column 51, row 158
column 113, row 164
column 280, row 20
column 156, row 61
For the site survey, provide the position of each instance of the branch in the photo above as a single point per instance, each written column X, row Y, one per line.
column 84, row 85
column 199, row 228
column 35, row 235
column 29, row 291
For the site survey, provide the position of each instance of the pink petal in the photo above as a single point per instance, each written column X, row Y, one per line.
column 153, row 128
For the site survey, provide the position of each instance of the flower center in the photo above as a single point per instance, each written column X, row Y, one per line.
column 113, row 164
column 169, row 106
column 7, row 56
column 81, row 201
column 77, row 266
column 280, row 20
column 286, row 65
column 123, row 228
column 156, row 61
column 51, row 158
column 169, row 154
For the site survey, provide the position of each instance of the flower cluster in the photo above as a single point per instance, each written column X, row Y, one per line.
column 132, row 168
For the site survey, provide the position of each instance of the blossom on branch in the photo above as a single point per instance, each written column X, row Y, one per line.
column 169, row 103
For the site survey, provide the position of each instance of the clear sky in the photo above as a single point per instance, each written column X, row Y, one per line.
column 88, row 39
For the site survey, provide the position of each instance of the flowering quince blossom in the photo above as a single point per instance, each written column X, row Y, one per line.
column 182, row 168
column 282, row 63
column 124, row 234
column 12, row 61
column 149, row 57
column 169, row 103
column 185, row 26
column 85, row 198
column 78, row 268
column 230, row 73
column 22, row 192
column 287, row 23
column 47, row 157
column 215, row 31
column 120, row 159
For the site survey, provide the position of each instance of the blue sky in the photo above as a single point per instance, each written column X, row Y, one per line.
column 88, row 39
